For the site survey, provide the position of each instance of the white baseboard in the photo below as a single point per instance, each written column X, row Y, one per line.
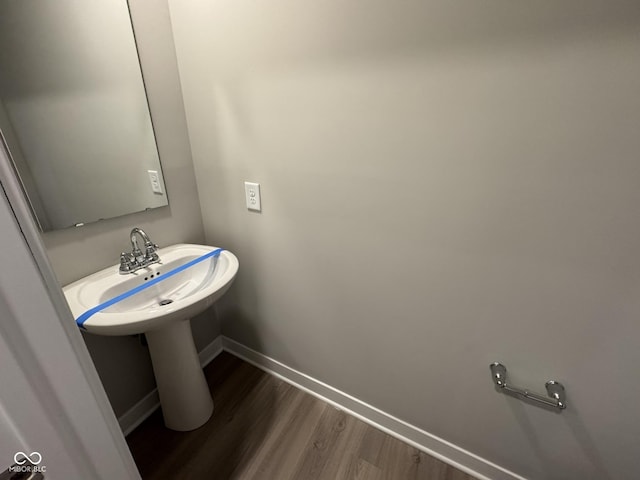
column 139, row 412
column 431, row 444
column 145, row 407
column 211, row 351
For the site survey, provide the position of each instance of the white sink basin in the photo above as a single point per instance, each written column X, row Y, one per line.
column 176, row 297
column 158, row 301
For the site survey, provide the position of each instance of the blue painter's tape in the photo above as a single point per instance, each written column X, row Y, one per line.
column 86, row 315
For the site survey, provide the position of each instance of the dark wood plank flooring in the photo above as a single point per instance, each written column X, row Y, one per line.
column 265, row 429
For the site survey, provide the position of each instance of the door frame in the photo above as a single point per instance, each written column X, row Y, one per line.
column 56, row 404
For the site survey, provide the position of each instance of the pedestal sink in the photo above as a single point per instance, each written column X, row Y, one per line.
column 158, row 301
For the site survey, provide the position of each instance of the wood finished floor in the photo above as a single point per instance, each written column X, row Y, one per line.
column 265, row 429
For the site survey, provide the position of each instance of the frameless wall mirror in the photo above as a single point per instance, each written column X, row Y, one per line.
column 74, row 113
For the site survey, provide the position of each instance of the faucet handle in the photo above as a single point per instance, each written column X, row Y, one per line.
column 126, row 263
column 150, row 252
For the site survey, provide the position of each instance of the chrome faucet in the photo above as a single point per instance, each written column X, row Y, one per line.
column 131, row 262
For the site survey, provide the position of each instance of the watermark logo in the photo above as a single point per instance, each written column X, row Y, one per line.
column 21, row 458
column 27, row 463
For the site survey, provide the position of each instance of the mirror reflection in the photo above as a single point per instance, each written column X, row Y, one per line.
column 74, row 113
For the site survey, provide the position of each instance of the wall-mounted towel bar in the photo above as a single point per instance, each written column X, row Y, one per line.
column 555, row 390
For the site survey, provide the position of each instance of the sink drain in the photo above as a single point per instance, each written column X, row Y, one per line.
column 162, row 303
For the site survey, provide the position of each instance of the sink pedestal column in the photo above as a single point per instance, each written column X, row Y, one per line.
column 184, row 394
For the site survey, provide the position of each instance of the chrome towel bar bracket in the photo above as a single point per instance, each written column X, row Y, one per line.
column 555, row 390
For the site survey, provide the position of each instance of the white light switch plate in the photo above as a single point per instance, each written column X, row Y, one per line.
column 252, row 196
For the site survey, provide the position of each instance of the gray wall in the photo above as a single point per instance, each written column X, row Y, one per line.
column 444, row 184
column 123, row 364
